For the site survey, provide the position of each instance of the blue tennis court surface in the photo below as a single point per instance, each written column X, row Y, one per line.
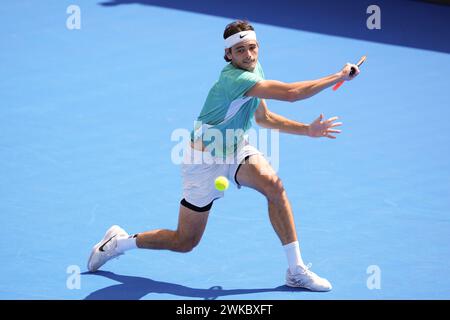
column 86, row 118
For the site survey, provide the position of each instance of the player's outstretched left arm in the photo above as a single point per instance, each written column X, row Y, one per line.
column 317, row 129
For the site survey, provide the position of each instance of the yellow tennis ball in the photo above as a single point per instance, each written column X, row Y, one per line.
column 221, row 183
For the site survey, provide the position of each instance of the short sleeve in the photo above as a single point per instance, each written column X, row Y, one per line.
column 239, row 85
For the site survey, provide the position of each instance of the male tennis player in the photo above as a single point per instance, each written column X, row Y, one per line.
column 235, row 98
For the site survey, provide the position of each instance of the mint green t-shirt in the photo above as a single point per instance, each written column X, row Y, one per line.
column 227, row 110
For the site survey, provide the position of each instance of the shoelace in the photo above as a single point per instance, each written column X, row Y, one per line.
column 306, row 269
column 308, row 266
column 306, row 272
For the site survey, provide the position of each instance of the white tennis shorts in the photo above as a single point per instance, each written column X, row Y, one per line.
column 200, row 169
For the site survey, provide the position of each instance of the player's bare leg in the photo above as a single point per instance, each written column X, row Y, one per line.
column 191, row 225
column 257, row 173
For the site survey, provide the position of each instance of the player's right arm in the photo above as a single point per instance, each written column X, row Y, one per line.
column 273, row 89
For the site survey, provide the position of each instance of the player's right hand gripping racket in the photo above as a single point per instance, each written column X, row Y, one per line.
column 352, row 72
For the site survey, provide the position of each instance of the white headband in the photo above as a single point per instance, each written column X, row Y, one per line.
column 239, row 37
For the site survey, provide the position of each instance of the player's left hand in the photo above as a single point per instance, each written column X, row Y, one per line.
column 324, row 128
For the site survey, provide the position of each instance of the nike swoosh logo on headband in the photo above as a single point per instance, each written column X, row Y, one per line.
column 241, row 36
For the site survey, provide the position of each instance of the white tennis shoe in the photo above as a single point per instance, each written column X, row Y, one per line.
column 305, row 278
column 106, row 249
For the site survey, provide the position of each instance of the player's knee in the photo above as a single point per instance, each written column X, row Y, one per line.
column 187, row 245
column 274, row 190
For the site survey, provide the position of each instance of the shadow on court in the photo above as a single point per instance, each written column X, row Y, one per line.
column 135, row 288
column 410, row 23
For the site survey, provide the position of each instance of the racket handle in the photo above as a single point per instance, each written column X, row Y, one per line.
column 337, row 85
column 352, row 73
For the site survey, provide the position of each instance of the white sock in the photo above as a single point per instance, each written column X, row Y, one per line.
column 293, row 256
column 125, row 243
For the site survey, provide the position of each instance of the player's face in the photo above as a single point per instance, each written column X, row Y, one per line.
column 244, row 55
